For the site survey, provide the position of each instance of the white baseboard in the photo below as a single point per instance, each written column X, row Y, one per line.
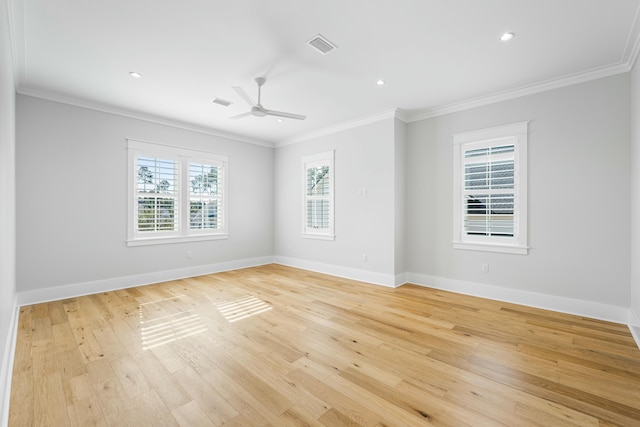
column 6, row 367
column 87, row 288
column 388, row 280
column 578, row 307
column 401, row 279
column 634, row 326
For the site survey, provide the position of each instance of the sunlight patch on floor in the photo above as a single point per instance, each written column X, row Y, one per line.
column 242, row 308
column 165, row 329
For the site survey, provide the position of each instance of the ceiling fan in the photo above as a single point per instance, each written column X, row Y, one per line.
column 257, row 109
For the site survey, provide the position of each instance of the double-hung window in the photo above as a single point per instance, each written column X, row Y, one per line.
column 175, row 194
column 318, row 209
column 490, row 189
column 156, row 193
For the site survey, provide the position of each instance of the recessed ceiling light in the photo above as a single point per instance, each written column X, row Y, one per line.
column 380, row 82
column 280, row 120
column 135, row 75
column 506, row 37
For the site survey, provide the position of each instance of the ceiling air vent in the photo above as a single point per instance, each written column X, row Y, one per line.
column 321, row 44
column 222, row 102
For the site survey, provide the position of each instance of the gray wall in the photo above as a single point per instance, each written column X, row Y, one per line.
column 635, row 195
column 579, row 184
column 400, row 154
column 7, row 199
column 364, row 158
column 72, row 197
column 71, row 166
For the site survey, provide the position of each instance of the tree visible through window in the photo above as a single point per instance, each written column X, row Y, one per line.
column 318, row 192
column 157, row 194
column 205, row 196
column 318, row 196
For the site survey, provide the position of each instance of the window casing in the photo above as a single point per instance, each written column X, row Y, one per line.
column 175, row 194
column 318, row 197
column 490, row 189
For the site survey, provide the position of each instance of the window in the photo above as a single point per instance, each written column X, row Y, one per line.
column 175, row 195
column 318, row 196
column 490, row 189
column 205, row 196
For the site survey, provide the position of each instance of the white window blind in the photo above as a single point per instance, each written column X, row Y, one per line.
column 157, row 195
column 205, row 196
column 318, row 196
column 490, row 189
column 176, row 194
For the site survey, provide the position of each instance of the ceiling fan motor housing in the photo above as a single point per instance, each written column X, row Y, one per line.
column 258, row 112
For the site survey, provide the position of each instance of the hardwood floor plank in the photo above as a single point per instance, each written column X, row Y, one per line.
column 262, row 390
column 84, row 408
column 161, row 380
column 336, row 418
column 190, row 414
column 277, row 379
column 250, row 409
column 148, row 409
column 609, row 411
column 357, row 412
column 206, row 397
column 131, row 377
column 49, row 406
column 22, row 400
column 278, row 346
column 116, row 405
column 549, row 415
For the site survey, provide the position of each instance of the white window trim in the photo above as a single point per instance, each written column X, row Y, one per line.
column 184, row 234
column 325, row 158
column 516, row 133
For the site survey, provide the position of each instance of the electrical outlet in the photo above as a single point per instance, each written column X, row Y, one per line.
column 189, row 254
column 484, row 267
column 364, row 257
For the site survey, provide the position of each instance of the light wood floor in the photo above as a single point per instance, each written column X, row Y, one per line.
column 279, row 346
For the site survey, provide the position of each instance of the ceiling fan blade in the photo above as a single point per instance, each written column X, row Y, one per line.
column 241, row 116
column 244, row 95
column 283, row 114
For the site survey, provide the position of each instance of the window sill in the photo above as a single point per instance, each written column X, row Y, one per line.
column 488, row 247
column 318, row 236
column 178, row 239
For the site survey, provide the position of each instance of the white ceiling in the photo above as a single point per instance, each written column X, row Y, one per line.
column 435, row 55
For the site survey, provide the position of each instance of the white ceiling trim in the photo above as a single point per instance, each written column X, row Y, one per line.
column 395, row 113
column 77, row 102
column 631, row 50
column 15, row 16
column 573, row 79
column 15, row 9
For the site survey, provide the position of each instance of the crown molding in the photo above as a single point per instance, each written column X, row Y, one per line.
column 402, row 115
column 15, row 15
column 83, row 103
column 15, row 24
column 627, row 62
column 532, row 89
column 631, row 50
column 351, row 124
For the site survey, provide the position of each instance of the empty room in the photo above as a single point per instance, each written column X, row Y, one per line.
column 292, row 213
